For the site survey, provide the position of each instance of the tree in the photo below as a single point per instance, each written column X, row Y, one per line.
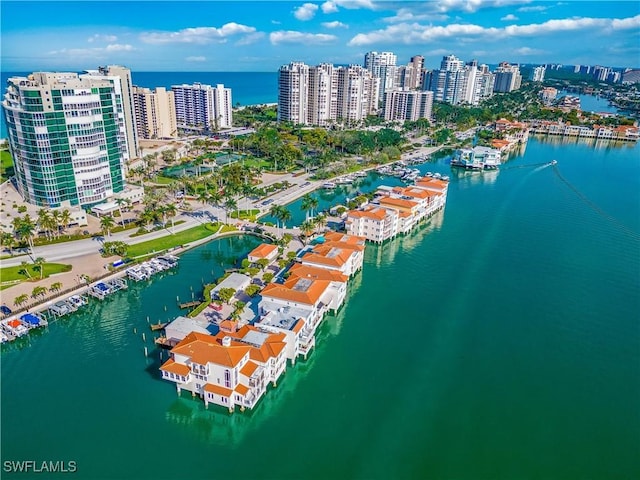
column 25, row 270
column 307, row 227
column 229, row 204
column 239, row 307
column 65, row 219
column 262, row 263
column 267, row 277
column 114, row 248
column 106, row 224
column 38, row 292
column 309, row 203
column 55, row 287
column 20, row 299
column 7, row 241
column 25, row 229
column 252, row 290
column 226, row 294
column 39, row 266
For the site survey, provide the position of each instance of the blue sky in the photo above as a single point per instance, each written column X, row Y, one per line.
column 262, row 35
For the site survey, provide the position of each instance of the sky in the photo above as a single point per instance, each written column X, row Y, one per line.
column 263, row 35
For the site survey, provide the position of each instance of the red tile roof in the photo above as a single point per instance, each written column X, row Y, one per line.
column 177, row 368
column 263, row 250
column 225, row 392
column 203, row 349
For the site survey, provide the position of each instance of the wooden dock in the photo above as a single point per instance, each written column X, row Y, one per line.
column 158, row 326
column 194, row 303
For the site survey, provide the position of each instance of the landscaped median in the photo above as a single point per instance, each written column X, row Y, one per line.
column 184, row 237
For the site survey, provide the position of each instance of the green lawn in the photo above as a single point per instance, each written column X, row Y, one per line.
column 170, row 241
column 6, row 165
column 11, row 274
column 245, row 214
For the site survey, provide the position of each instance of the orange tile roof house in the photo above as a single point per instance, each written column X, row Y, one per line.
column 264, row 250
column 228, row 369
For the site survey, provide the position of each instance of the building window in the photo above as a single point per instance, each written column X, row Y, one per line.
column 227, row 379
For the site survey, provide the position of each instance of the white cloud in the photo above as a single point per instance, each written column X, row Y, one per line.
column 415, row 33
column 335, row 24
column 198, row 35
column 329, row 7
column 509, row 18
column 97, row 52
column 196, row 59
column 306, row 12
column 524, row 51
column 355, row 4
column 539, row 8
column 102, row 38
column 289, row 36
column 251, row 38
column 276, row 22
column 407, row 15
column 118, row 48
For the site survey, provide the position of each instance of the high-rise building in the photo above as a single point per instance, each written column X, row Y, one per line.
column 537, row 73
column 67, row 136
column 202, row 107
column 448, row 84
column 383, row 66
column 155, row 113
column 120, row 77
column 508, row 78
column 325, row 93
column 410, row 76
column 407, row 105
column 293, row 93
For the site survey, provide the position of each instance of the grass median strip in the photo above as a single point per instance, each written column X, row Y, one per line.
column 170, row 241
column 31, row 272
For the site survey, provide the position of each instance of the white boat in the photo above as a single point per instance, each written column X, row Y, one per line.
column 328, row 185
column 60, row 308
column 77, row 301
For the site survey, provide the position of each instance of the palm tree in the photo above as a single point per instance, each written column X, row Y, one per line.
column 38, row 291
column 55, row 287
column 229, row 204
column 171, row 210
column 7, row 240
column 274, row 211
column 39, row 266
column 25, row 270
column 309, row 203
column 285, row 216
column 306, row 228
column 203, row 197
column 25, row 230
column 106, row 224
column 320, row 221
column 20, row 299
column 65, row 219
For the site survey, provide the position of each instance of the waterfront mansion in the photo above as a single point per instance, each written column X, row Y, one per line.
column 233, row 366
column 397, row 210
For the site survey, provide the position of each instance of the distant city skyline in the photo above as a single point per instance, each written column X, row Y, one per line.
column 263, row 35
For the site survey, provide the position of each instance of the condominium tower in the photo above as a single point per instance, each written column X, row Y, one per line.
column 155, row 113
column 508, row 78
column 407, row 105
column 68, row 136
column 383, row 66
column 322, row 94
column 203, row 107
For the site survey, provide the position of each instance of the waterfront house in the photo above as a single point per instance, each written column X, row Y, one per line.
column 373, row 222
column 264, row 250
column 476, row 158
column 342, row 259
column 224, row 371
column 407, row 211
column 181, row 326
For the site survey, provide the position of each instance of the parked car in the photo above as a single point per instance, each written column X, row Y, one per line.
column 5, row 310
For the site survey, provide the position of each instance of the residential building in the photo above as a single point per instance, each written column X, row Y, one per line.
column 410, row 76
column 508, row 78
column 548, row 95
column 407, row 105
column 120, row 78
column 202, row 107
column 383, row 67
column 155, row 113
column 397, row 210
column 225, row 371
column 325, row 94
column 476, row 158
column 267, row 251
column 293, row 93
column 537, row 73
column 459, row 83
column 68, row 136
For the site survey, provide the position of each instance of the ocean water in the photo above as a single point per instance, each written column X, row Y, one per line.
column 247, row 88
column 499, row 341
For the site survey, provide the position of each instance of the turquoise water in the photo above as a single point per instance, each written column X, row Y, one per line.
column 500, row 341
